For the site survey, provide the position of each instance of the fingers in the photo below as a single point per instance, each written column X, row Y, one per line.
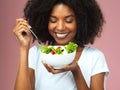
column 46, row 43
column 21, row 26
column 47, row 66
column 51, row 69
column 65, row 68
column 70, row 66
column 21, row 31
column 23, row 21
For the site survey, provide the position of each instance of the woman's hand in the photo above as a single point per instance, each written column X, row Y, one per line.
column 70, row 67
column 74, row 67
column 21, row 31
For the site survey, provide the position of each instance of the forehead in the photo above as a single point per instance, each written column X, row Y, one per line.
column 61, row 9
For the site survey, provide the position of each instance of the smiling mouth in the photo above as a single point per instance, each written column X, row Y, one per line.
column 61, row 35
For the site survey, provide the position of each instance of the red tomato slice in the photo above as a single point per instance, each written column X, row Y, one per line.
column 52, row 52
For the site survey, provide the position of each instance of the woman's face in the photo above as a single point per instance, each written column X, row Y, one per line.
column 62, row 24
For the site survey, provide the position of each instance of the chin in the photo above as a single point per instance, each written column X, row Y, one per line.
column 62, row 42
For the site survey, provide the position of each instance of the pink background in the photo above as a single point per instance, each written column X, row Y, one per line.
column 109, row 43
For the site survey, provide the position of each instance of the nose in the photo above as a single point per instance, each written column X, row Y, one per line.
column 60, row 26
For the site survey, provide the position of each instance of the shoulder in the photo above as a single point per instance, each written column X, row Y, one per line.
column 88, row 50
column 32, row 57
column 34, row 48
column 93, row 55
column 96, row 60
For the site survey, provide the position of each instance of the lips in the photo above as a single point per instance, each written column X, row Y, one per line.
column 61, row 35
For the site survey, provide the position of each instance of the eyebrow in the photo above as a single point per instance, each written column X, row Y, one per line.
column 69, row 16
column 65, row 16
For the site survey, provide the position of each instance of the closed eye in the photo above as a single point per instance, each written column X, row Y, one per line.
column 69, row 19
column 52, row 19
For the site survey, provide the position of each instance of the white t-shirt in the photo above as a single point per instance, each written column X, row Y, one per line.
column 91, row 62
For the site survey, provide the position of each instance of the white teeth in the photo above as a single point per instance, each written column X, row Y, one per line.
column 61, row 35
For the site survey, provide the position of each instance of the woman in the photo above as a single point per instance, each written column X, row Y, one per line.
column 61, row 22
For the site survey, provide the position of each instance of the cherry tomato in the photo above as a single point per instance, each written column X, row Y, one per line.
column 52, row 52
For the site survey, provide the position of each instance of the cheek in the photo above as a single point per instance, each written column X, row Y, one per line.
column 72, row 27
column 51, row 27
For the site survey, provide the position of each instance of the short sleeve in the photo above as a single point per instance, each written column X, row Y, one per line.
column 32, row 57
column 100, row 65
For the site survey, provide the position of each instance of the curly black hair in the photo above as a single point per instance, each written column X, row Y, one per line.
column 88, row 14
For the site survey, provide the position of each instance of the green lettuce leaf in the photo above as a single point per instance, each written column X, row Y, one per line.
column 71, row 47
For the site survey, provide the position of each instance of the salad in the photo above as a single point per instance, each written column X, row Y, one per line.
column 70, row 47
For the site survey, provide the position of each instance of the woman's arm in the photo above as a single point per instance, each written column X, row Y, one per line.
column 23, row 80
column 32, row 78
column 79, row 79
column 96, row 83
column 25, row 76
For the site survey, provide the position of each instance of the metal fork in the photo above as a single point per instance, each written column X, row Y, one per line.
column 35, row 36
